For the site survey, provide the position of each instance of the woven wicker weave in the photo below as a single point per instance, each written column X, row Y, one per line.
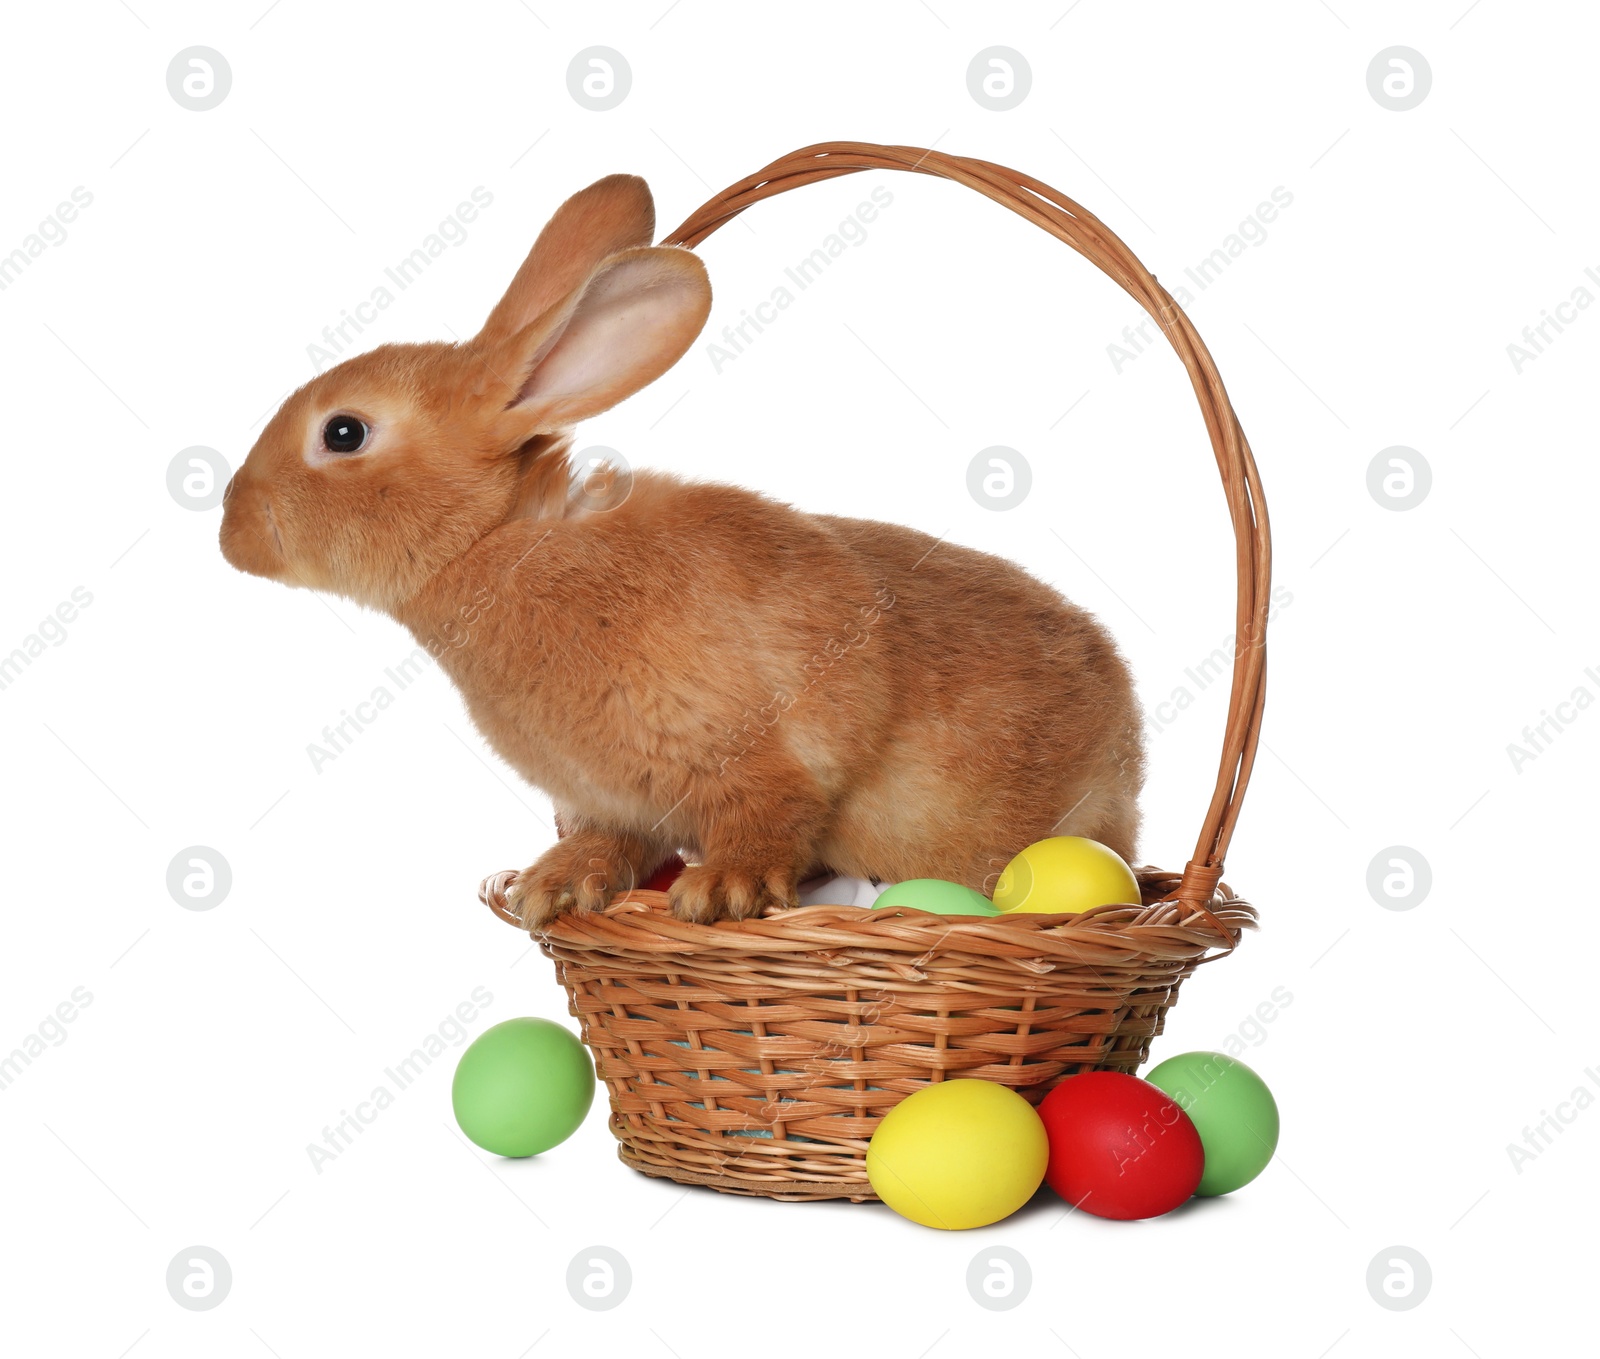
column 758, row 1056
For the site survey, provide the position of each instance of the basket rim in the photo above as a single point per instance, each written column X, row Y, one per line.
column 1163, row 927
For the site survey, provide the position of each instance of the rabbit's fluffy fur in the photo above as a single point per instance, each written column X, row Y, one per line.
column 684, row 666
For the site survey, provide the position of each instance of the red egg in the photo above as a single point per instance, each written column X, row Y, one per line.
column 664, row 876
column 1119, row 1148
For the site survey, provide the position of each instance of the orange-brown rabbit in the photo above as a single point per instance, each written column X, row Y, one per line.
column 683, row 666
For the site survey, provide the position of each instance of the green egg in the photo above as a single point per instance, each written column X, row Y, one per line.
column 522, row 1087
column 1232, row 1110
column 937, row 897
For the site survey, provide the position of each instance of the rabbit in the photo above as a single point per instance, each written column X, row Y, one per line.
column 682, row 666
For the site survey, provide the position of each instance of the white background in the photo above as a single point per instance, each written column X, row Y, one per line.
column 178, row 709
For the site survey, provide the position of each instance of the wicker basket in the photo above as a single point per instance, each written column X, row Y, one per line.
column 758, row 1056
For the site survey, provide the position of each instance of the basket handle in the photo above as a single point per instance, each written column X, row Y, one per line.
column 1241, row 483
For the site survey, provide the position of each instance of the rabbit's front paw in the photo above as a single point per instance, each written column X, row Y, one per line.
column 708, row 893
column 579, row 874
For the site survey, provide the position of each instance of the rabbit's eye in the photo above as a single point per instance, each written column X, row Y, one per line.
column 344, row 434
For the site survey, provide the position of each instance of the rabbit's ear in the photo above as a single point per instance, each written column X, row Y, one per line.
column 612, row 214
column 632, row 321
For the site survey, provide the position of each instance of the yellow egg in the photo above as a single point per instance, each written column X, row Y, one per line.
column 958, row 1154
column 1066, row 873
